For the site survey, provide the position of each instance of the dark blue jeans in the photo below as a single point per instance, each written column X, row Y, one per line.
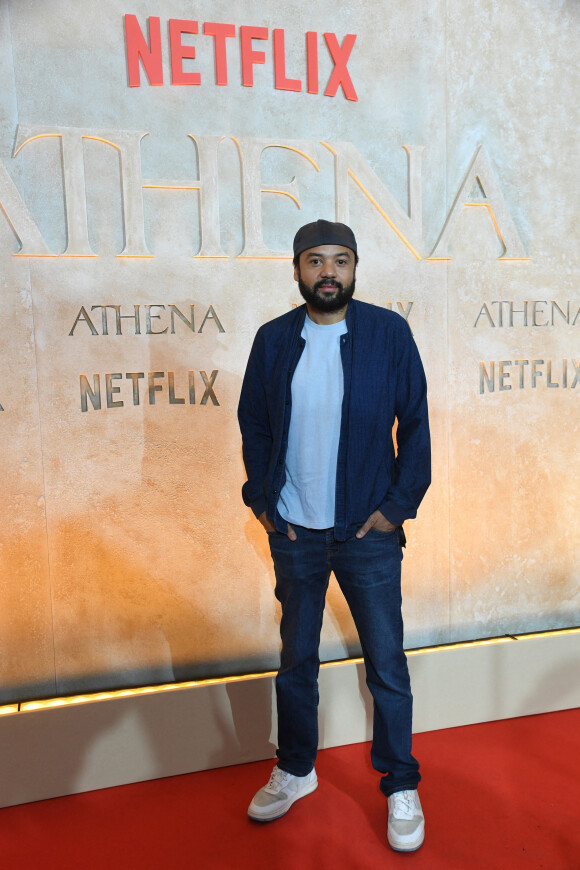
column 369, row 574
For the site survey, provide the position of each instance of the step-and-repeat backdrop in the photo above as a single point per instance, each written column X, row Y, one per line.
column 156, row 160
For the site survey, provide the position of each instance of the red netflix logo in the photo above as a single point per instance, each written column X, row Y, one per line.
column 147, row 52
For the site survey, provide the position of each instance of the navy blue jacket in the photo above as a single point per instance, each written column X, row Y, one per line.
column 383, row 381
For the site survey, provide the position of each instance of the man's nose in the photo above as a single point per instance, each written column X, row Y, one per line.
column 328, row 269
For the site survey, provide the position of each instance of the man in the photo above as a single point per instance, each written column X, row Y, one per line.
column 323, row 387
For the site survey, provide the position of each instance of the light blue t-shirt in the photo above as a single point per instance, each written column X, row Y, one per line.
column 307, row 497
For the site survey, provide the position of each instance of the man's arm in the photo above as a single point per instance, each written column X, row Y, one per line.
column 255, row 428
column 413, row 463
column 257, row 438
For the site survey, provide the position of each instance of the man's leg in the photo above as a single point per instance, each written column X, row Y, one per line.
column 301, row 581
column 302, row 574
column 369, row 573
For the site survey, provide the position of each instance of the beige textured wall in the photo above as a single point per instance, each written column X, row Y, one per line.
column 126, row 555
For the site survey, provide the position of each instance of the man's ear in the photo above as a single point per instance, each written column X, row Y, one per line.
column 296, row 273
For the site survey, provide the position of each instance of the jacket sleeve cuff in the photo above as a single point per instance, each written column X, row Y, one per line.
column 258, row 505
column 395, row 514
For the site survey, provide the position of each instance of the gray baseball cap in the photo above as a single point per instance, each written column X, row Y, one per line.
column 323, row 232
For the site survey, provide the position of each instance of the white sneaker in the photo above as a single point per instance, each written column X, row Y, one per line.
column 406, row 828
column 276, row 798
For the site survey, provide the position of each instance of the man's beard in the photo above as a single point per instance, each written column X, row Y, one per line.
column 319, row 302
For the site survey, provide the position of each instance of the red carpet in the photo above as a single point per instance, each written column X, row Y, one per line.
column 499, row 795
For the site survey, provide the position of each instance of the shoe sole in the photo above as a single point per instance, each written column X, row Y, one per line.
column 410, row 847
column 278, row 815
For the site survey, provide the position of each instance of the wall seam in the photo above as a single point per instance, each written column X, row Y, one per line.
column 447, row 267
